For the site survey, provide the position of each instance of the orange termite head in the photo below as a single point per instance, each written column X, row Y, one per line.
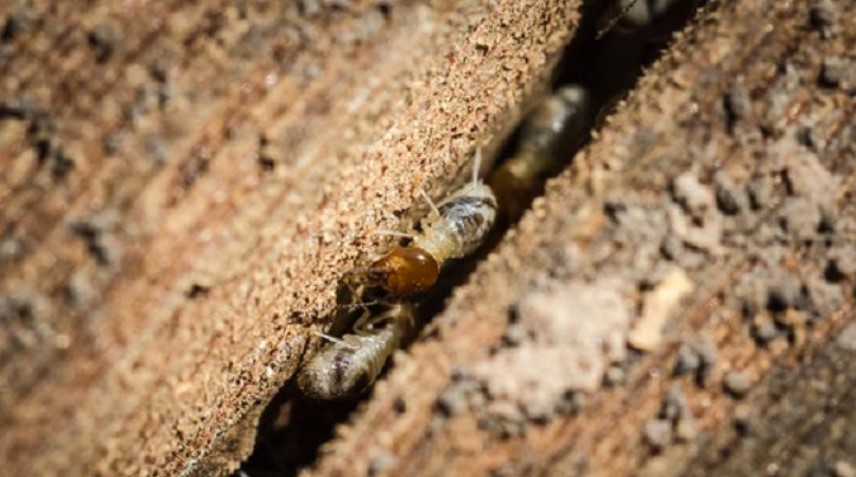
column 405, row 270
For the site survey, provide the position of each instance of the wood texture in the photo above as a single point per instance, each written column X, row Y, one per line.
column 726, row 179
column 185, row 182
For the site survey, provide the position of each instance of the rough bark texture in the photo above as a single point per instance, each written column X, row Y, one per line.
column 710, row 210
column 184, row 184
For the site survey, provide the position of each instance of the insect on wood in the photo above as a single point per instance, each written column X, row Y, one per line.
column 351, row 364
column 454, row 228
column 548, row 136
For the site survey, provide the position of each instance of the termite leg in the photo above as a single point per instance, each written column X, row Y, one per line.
column 363, row 322
column 367, row 321
column 359, row 304
column 355, row 291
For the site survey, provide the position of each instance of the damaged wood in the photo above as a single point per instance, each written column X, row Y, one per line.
column 724, row 183
column 185, row 183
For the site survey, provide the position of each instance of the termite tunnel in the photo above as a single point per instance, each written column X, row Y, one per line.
column 615, row 41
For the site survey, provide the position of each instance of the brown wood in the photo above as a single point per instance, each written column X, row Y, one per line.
column 730, row 168
column 184, row 183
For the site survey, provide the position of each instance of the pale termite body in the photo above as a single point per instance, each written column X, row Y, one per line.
column 349, row 365
column 548, row 136
column 454, row 228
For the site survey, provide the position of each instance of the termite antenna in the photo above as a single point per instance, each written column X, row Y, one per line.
column 477, row 165
column 358, row 304
column 392, row 233
column 431, row 204
column 335, row 340
column 614, row 20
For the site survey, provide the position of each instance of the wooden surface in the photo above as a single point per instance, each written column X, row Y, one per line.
column 712, row 203
column 184, row 185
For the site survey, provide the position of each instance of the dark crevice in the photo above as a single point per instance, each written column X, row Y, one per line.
column 607, row 64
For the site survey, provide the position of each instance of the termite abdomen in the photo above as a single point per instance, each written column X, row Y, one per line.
column 460, row 224
column 344, row 370
column 548, row 137
column 469, row 219
column 349, row 366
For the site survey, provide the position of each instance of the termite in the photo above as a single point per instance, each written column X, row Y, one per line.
column 454, row 228
column 351, row 364
column 548, row 136
column 656, row 16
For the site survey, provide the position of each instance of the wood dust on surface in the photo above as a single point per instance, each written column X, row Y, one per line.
column 185, row 184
